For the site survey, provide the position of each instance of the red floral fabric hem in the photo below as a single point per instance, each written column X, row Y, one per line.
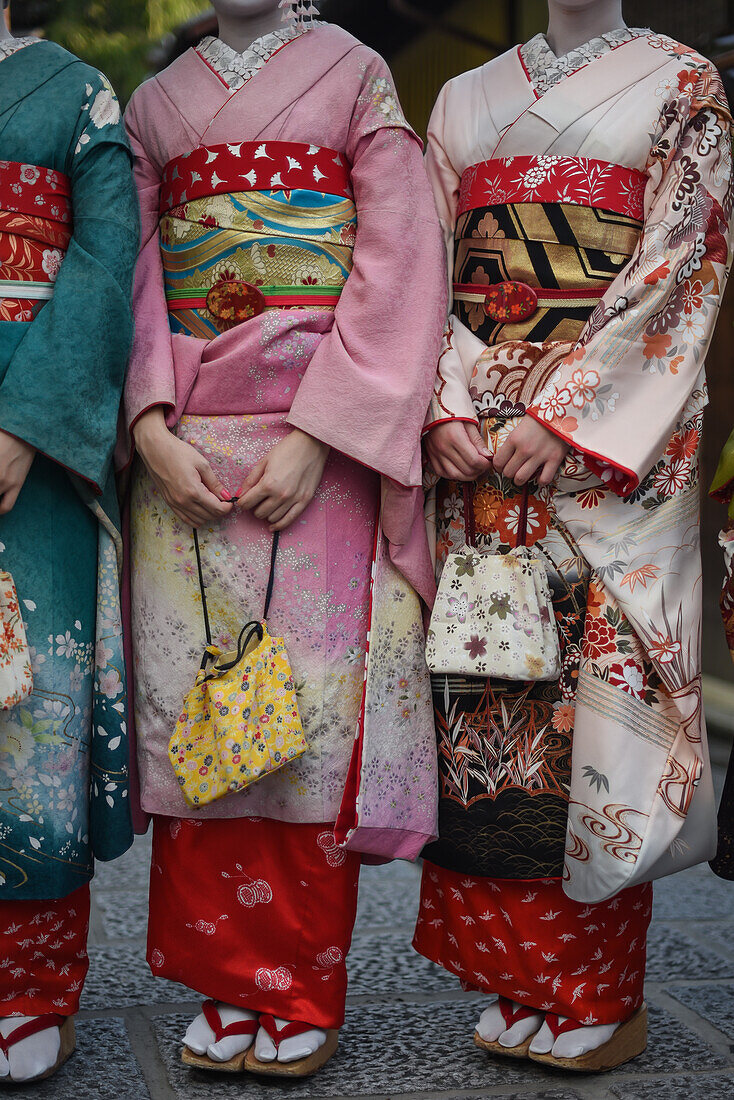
column 254, row 912
column 530, row 942
column 44, row 952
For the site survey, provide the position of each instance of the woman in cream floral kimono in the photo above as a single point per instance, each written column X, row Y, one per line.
column 585, row 191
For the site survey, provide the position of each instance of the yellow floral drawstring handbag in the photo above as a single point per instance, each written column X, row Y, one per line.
column 240, row 721
column 16, row 678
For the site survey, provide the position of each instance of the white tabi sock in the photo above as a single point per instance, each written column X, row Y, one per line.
column 201, row 1039
column 290, row 1050
column 32, row 1056
column 492, row 1027
column 574, row 1043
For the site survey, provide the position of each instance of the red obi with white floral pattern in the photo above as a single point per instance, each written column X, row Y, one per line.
column 576, row 180
column 35, row 230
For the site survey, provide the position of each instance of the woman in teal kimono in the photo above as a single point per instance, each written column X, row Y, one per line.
column 68, row 242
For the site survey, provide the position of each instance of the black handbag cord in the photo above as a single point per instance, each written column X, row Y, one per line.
column 202, row 586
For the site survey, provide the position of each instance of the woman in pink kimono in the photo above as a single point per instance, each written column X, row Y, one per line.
column 289, row 302
column 584, row 183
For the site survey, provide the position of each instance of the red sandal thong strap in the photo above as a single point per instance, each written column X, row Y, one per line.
column 512, row 1015
column 267, row 1022
column 557, row 1028
column 240, row 1027
column 32, row 1027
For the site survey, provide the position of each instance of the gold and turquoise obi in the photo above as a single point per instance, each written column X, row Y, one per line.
column 253, row 227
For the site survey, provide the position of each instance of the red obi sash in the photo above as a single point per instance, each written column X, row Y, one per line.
column 575, row 180
column 35, row 230
column 253, row 166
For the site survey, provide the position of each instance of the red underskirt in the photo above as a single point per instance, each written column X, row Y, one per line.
column 530, row 942
column 44, row 953
column 254, row 912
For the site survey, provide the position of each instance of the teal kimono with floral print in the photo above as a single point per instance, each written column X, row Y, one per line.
column 63, row 750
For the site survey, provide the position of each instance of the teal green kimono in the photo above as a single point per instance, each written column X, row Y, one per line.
column 63, row 751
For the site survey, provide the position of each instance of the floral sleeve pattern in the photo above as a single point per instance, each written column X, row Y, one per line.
column 644, row 346
column 100, row 116
column 378, row 106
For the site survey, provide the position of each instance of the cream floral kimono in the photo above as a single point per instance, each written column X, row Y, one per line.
column 627, row 143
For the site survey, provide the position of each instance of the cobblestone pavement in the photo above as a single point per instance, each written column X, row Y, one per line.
column 409, row 1027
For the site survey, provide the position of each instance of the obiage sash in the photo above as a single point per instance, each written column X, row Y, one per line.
column 35, row 230
column 251, row 227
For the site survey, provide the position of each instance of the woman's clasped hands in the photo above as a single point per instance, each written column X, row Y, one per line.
column 456, row 451
column 277, row 489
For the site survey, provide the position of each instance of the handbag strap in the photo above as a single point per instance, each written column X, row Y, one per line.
column 202, row 586
column 522, row 522
column 470, row 521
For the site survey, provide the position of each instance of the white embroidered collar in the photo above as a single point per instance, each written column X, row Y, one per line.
column 234, row 68
column 545, row 69
column 9, row 46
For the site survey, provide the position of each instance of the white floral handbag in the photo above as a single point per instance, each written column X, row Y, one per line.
column 16, row 678
column 493, row 614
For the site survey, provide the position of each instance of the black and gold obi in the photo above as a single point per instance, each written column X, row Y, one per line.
column 538, row 241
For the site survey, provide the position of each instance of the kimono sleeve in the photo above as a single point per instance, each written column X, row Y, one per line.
column 61, row 391
column 366, row 390
column 150, row 376
column 638, row 366
column 460, row 349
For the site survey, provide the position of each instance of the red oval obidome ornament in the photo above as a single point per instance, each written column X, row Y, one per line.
column 234, row 300
column 510, row 302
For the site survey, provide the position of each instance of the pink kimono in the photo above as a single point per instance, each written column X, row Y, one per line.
column 291, row 276
column 305, row 111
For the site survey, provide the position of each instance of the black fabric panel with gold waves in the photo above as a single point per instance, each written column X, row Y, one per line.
column 504, row 748
column 549, row 246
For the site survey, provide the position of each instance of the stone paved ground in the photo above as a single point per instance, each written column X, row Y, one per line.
column 408, row 1031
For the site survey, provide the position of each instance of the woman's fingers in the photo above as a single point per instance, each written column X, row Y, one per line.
column 465, row 453
column 448, row 463
column 280, row 511
column 450, row 472
column 254, row 496
column 7, row 500
column 466, row 469
column 549, row 471
column 211, row 481
column 503, row 455
column 526, row 471
column 252, row 479
column 291, row 515
column 268, row 508
column 476, row 438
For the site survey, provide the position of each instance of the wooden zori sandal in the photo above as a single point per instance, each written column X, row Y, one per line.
column 65, row 1024
column 203, row 1061
column 629, row 1040
column 511, row 1016
column 304, row 1067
